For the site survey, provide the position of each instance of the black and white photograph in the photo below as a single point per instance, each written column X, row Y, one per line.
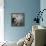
column 17, row 19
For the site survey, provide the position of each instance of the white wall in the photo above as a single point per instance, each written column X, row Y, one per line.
column 1, row 21
column 43, row 6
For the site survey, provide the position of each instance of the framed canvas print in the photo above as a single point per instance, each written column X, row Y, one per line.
column 17, row 19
